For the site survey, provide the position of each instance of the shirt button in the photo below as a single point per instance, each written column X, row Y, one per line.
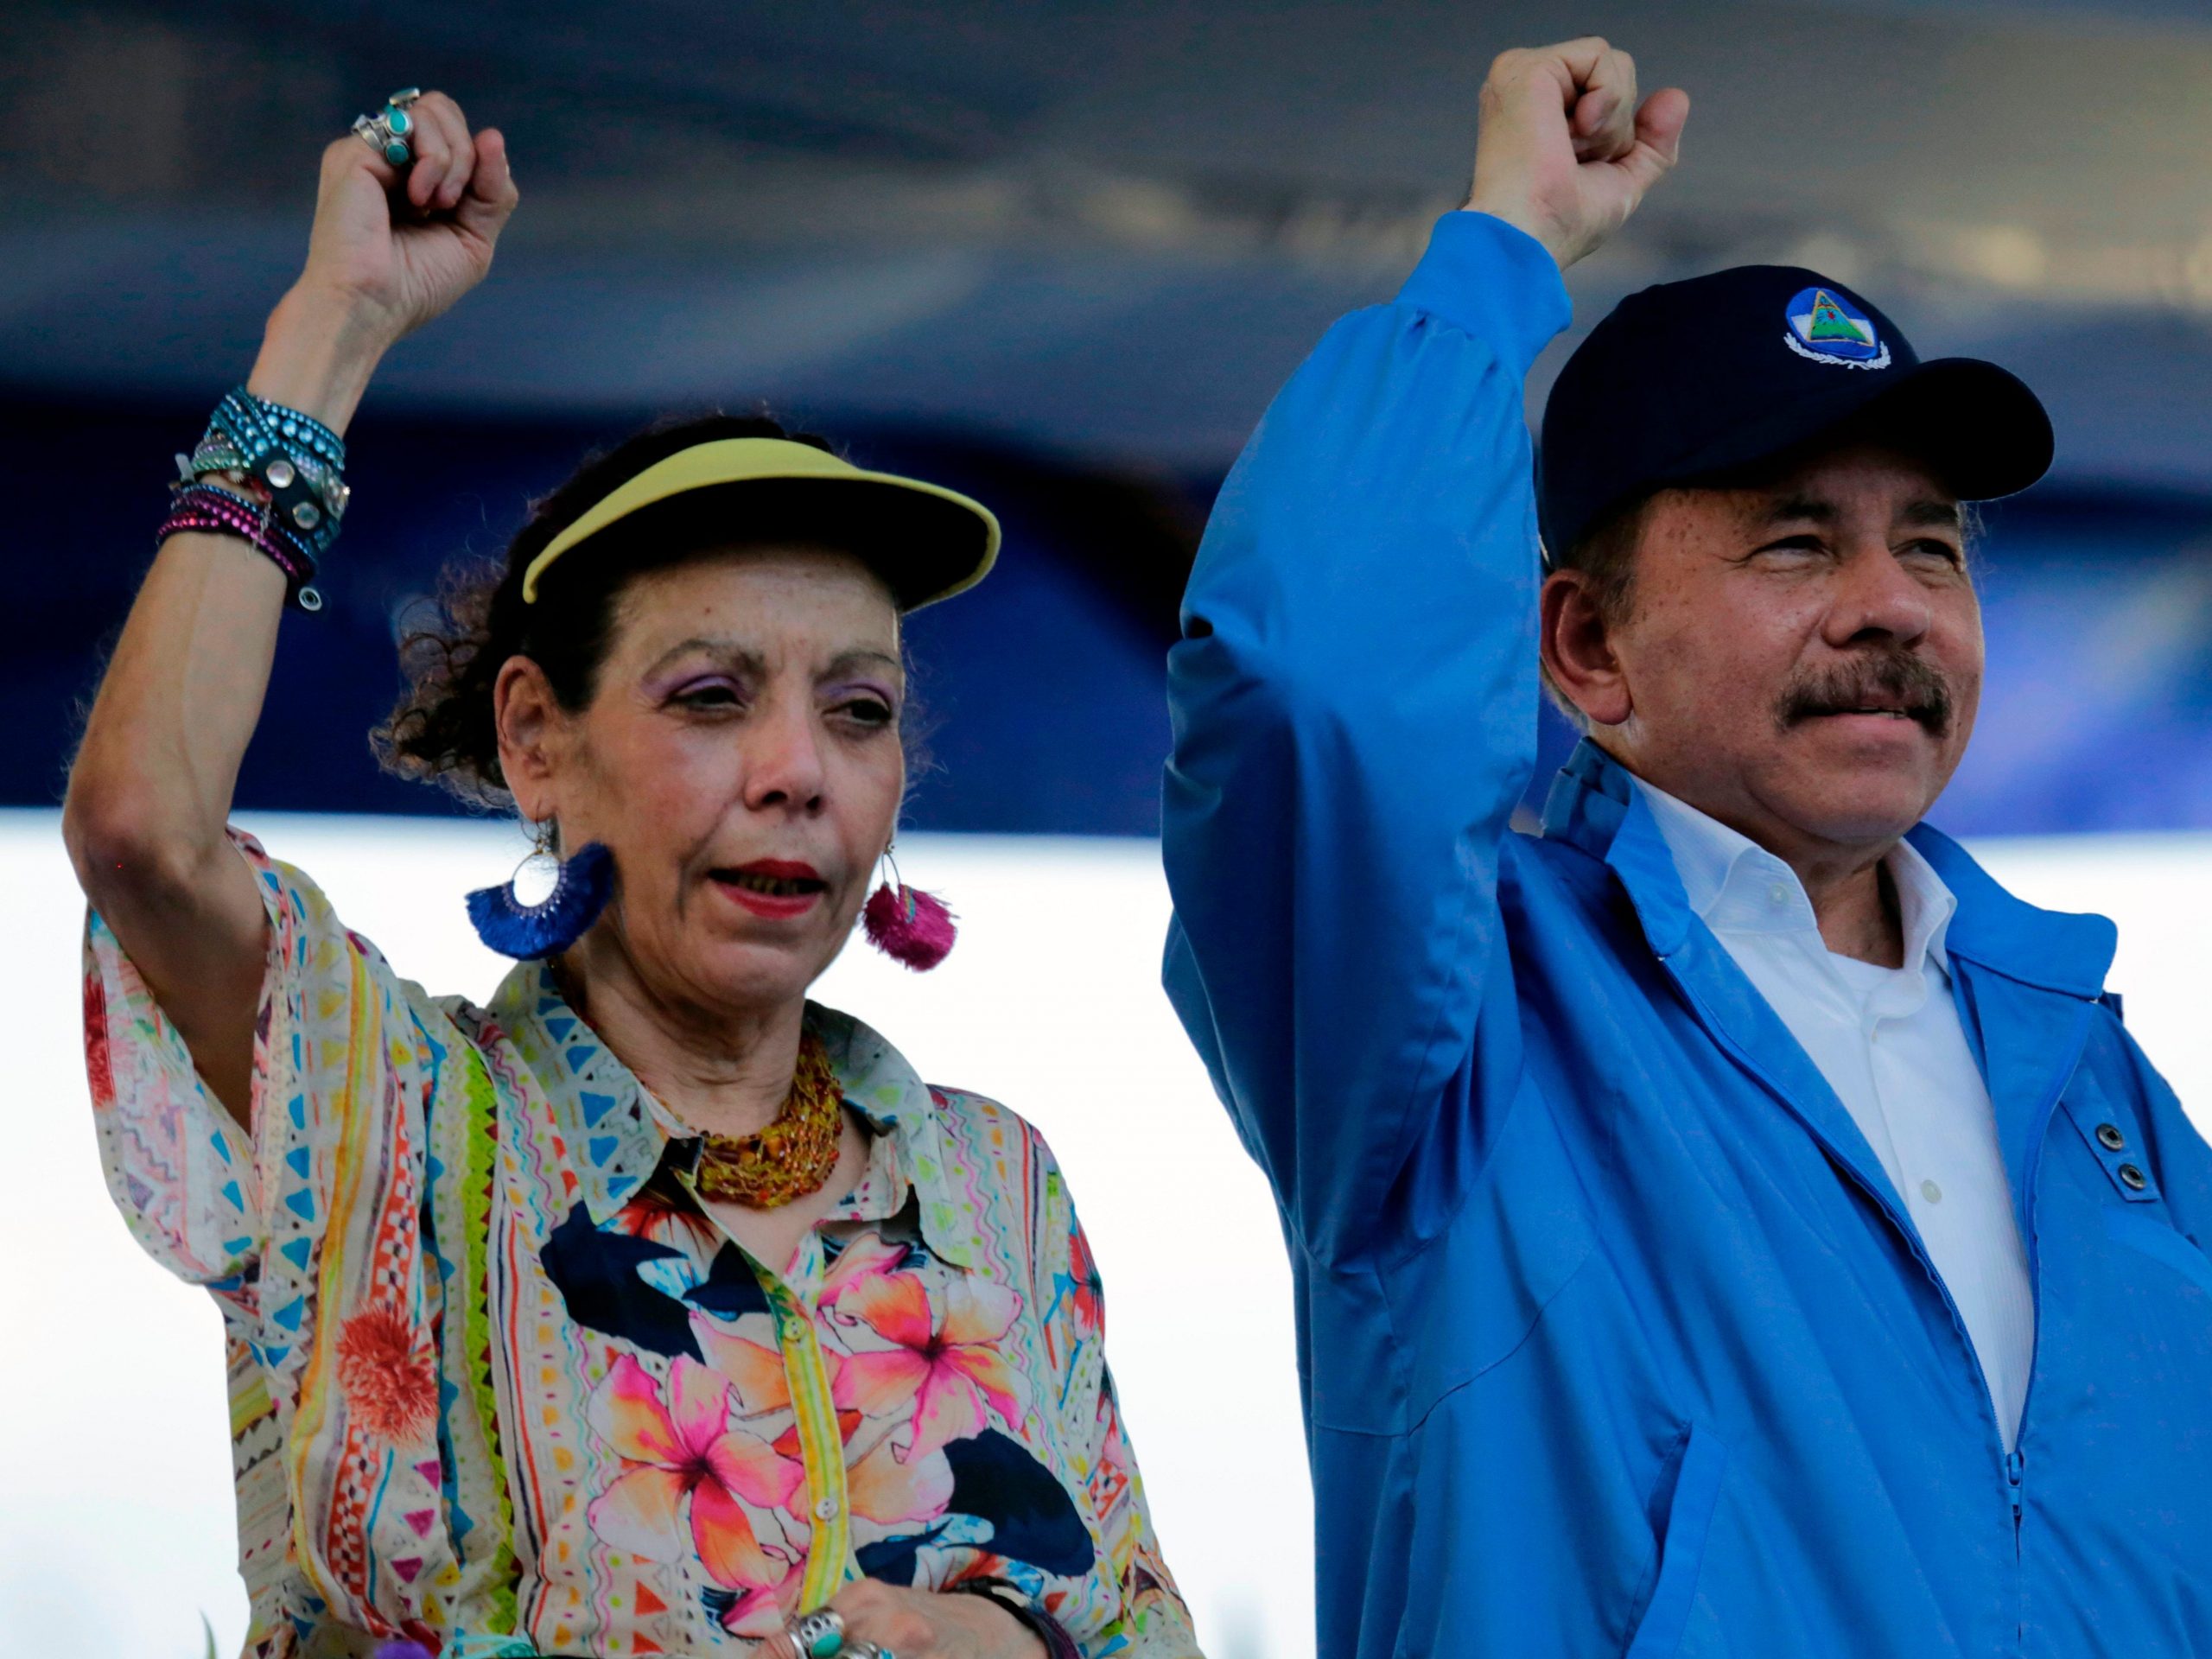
column 1778, row 895
column 826, row 1510
column 2132, row 1178
column 1932, row 1192
column 2110, row 1138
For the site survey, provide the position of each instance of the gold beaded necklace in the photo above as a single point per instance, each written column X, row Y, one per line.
column 794, row 1157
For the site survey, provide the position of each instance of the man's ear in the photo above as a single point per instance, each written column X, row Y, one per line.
column 530, row 727
column 1576, row 642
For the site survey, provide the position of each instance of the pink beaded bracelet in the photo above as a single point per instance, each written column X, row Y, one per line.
column 213, row 509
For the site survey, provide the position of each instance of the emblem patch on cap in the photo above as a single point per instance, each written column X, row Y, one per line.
column 1828, row 328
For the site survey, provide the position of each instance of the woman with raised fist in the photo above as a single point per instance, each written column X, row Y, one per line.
column 650, row 1308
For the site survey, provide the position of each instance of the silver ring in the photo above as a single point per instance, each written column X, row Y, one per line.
column 864, row 1650
column 404, row 97
column 817, row 1635
column 393, row 141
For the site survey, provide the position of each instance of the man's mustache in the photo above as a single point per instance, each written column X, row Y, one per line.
column 1889, row 680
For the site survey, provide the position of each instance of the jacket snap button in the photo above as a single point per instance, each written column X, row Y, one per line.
column 2131, row 1177
column 2109, row 1136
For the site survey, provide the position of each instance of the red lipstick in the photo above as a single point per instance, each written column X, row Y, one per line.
column 777, row 889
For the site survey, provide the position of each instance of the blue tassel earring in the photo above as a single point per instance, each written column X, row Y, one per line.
column 530, row 932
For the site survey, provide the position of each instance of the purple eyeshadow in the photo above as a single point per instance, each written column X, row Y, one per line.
column 697, row 683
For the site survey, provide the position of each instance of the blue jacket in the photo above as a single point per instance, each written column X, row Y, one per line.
column 1614, row 1336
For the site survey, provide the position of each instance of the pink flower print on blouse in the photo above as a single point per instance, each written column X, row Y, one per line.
column 881, row 1488
column 686, row 1448
column 949, row 1371
column 864, row 1260
column 878, row 1487
column 758, row 1383
column 762, row 1610
column 661, row 1217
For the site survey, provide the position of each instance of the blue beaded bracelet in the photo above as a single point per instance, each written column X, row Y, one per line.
column 265, row 424
column 298, row 460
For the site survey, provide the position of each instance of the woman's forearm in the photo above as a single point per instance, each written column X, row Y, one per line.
column 151, row 788
column 184, row 689
column 150, row 796
column 318, row 354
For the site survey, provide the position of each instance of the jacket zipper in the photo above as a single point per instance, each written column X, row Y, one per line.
column 2015, row 1464
column 2014, row 1467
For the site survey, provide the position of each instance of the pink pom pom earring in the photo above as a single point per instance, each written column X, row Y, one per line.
column 907, row 924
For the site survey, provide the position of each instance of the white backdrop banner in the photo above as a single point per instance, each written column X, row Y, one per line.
column 115, row 1508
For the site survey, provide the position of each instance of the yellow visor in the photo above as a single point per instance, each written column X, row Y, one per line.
column 926, row 541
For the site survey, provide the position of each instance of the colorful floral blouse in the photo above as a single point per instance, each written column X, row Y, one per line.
column 498, row 1384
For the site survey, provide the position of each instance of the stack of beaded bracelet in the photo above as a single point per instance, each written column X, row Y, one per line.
column 220, row 511
column 298, row 458
column 270, row 475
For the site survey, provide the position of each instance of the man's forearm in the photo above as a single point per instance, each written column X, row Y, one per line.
column 1355, row 719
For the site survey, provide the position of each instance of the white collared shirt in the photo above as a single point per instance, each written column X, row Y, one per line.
column 1889, row 1042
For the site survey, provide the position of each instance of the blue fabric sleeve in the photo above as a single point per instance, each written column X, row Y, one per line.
column 1354, row 709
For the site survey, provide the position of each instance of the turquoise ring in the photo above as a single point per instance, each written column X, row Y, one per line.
column 817, row 1635
column 388, row 140
column 390, row 132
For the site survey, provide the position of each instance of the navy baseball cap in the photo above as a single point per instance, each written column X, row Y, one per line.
column 1691, row 382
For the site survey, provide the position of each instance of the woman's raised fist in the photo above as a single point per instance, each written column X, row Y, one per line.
column 396, row 248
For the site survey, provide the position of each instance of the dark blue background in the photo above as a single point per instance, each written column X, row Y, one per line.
column 1043, row 686
column 1039, row 692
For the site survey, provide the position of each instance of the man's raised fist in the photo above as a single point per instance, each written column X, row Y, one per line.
column 1565, row 153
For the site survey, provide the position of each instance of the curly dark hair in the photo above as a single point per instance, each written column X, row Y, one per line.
column 442, row 730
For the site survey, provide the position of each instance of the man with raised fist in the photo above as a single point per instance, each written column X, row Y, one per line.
column 1727, row 1222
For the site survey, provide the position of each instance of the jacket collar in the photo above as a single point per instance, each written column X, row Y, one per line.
column 1737, row 886
column 2052, row 949
column 1595, row 807
column 613, row 1132
column 2025, row 978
